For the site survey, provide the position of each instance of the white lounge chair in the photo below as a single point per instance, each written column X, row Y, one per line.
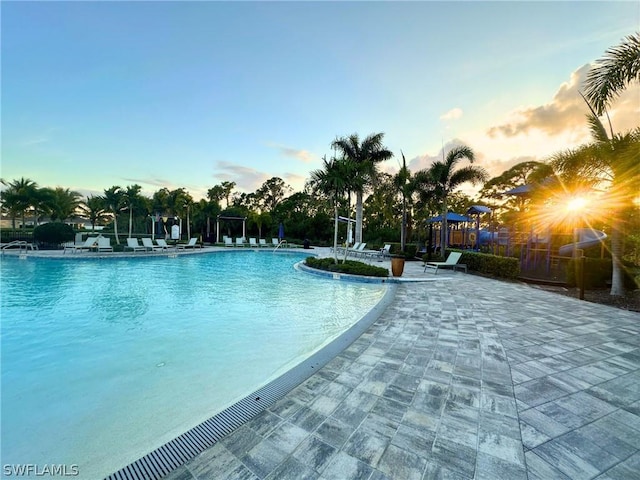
column 379, row 254
column 357, row 251
column 228, row 242
column 240, row 242
column 193, row 243
column 133, row 244
column 163, row 243
column 104, row 244
column 148, row 244
column 253, row 243
column 275, row 241
column 262, row 242
column 451, row 262
column 88, row 244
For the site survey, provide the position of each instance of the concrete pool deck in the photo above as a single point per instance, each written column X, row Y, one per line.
column 460, row 377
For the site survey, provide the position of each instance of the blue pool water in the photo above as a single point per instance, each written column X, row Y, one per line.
column 105, row 360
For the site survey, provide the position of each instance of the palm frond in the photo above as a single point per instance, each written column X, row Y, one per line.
column 619, row 66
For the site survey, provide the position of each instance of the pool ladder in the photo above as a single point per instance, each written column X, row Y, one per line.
column 282, row 242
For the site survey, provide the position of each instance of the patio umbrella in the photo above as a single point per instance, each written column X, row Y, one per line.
column 281, row 232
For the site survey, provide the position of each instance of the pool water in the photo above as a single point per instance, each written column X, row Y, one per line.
column 106, row 360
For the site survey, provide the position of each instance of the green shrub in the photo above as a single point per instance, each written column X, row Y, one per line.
column 351, row 267
column 53, row 233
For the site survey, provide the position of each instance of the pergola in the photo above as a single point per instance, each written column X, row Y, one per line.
column 220, row 217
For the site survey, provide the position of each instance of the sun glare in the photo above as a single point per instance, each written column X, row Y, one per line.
column 576, row 204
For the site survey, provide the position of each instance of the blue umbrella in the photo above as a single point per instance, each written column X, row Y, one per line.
column 281, row 232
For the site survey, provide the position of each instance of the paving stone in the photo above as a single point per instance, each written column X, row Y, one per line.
column 264, row 458
column 334, row 432
column 346, row 467
column 293, row 469
column 489, row 467
column 288, row 436
column 457, row 457
column 315, row 453
column 366, row 447
column 539, row 469
column 399, row 463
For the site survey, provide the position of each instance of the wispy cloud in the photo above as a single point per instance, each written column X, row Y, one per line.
column 245, row 178
column 302, row 155
column 452, row 114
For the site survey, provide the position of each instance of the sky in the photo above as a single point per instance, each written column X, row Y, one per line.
column 191, row 94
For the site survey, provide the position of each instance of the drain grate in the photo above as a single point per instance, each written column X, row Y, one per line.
column 163, row 460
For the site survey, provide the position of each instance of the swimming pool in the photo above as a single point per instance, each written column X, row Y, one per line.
column 105, row 360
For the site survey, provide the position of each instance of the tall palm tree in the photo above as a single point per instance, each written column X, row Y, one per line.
column 403, row 182
column 133, row 200
column 611, row 160
column 619, row 67
column 93, row 209
column 366, row 156
column 114, row 203
column 445, row 179
column 333, row 181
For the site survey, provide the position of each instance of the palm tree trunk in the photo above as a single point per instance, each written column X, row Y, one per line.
column 115, row 227
column 335, row 231
column 617, row 248
column 130, row 221
column 444, row 234
column 358, row 236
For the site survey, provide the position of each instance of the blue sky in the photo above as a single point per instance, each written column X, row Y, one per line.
column 190, row 94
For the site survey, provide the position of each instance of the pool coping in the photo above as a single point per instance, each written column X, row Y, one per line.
column 166, row 458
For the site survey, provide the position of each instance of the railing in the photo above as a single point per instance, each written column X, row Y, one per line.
column 21, row 244
column 282, row 242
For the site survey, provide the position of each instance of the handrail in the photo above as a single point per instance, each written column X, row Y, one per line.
column 23, row 244
column 280, row 244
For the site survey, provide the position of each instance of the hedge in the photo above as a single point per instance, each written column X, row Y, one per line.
column 598, row 272
column 351, row 267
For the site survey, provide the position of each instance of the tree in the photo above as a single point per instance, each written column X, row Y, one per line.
column 62, row 203
column 403, row 182
column 93, row 209
column 333, row 180
column 619, row 67
column 227, row 188
column 365, row 156
column 272, row 192
column 133, row 201
column 114, row 203
column 446, row 179
column 611, row 161
column 19, row 196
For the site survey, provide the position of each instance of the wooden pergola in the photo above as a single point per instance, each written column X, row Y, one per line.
column 220, row 217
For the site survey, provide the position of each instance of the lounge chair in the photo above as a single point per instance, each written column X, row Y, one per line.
column 104, row 244
column 228, row 242
column 275, row 241
column 262, row 242
column 253, row 243
column 193, row 243
column 451, row 262
column 240, row 242
column 379, row 254
column 133, row 244
column 148, row 244
column 88, row 244
column 357, row 251
column 163, row 243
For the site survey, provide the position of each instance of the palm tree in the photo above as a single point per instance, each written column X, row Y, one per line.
column 445, row 179
column 333, row 181
column 612, row 160
column 619, row 66
column 403, row 182
column 93, row 209
column 113, row 203
column 62, row 203
column 365, row 155
column 132, row 199
column 19, row 197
